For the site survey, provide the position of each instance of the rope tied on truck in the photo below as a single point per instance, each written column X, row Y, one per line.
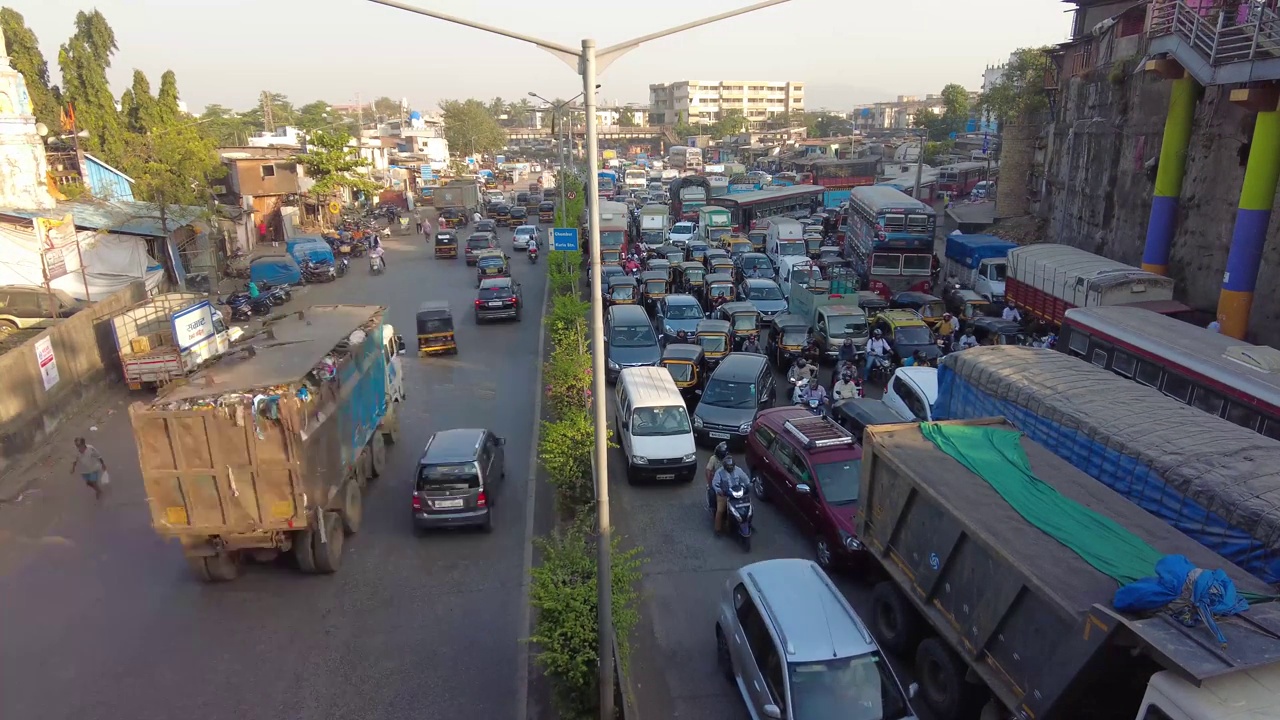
column 1149, row 581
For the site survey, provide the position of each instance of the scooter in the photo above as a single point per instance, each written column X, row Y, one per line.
column 533, row 256
column 739, row 513
column 344, row 264
column 375, row 265
column 881, row 370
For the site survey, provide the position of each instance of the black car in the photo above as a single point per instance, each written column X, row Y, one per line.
column 855, row 414
column 485, row 226
column 741, row 385
column 457, row 479
column 498, row 299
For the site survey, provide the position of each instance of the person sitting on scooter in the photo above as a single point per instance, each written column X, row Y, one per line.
column 968, row 340
column 947, row 329
column 252, row 287
column 752, row 345
column 848, row 353
column 713, row 462
column 917, row 359
column 377, row 253
column 728, row 476
column 813, row 390
column 802, row 369
column 877, row 347
column 846, row 387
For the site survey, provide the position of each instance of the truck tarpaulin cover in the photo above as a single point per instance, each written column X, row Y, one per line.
column 313, row 249
column 275, row 270
column 971, row 250
column 1212, row 480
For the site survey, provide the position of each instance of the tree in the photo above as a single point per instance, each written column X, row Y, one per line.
column 627, row 119
column 471, row 128
column 315, row 116
column 518, row 113
column 497, row 108
column 386, row 107
column 282, row 111
column 84, row 60
column 933, row 124
column 25, row 55
column 172, row 165
column 825, row 124
column 167, row 110
column 334, row 163
column 731, row 122
column 224, row 126
column 955, row 104
column 137, row 106
column 1020, row 90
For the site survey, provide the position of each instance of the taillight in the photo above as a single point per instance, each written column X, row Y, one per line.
column 479, row 303
column 417, row 503
column 481, row 500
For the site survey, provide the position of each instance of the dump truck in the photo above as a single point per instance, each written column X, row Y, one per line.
column 1210, row 479
column 1046, row 280
column 1003, row 620
column 977, row 262
column 268, row 450
column 463, row 194
column 169, row 336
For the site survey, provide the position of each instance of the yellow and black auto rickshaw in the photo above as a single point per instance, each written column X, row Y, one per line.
column 662, row 264
column 654, row 285
column 690, row 276
column 721, row 265
column 546, row 212
column 446, row 243
column 452, row 217
column 928, row 307
column 711, row 255
column 715, row 338
column 491, row 264
column 737, row 245
column 622, row 290
column 611, row 256
column 744, row 321
column 757, row 238
column 688, row 367
column 719, row 290
column 435, row 329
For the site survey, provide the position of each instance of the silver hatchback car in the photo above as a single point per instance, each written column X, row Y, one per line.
column 796, row 649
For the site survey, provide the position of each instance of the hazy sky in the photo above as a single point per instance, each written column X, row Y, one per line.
column 847, row 51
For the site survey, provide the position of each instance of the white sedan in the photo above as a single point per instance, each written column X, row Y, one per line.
column 524, row 234
column 681, row 233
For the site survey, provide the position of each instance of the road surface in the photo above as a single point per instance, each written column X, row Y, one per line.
column 102, row 619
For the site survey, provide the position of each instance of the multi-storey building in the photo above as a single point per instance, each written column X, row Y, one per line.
column 896, row 115
column 706, row 101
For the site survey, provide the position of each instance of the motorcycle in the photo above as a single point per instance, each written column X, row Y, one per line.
column 533, row 256
column 282, row 290
column 375, row 265
column 881, row 370
column 243, row 307
column 274, row 295
column 313, row 272
column 739, row 513
column 344, row 264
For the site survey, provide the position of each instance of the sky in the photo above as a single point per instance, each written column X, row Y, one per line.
column 847, row 52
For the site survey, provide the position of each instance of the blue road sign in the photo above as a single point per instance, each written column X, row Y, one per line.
column 564, row 239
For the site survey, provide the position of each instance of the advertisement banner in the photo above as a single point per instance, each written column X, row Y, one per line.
column 193, row 325
column 47, row 362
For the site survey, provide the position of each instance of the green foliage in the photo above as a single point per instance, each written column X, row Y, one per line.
column 137, row 105
column 627, row 119
column 563, row 591
column 315, row 116
column 334, row 164
column 470, row 127
column 386, row 107
column 825, row 124
column 565, row 448
column 563, row 274
column 26, row 58
column 1020, row 90
column 732, row 122
column 933, row 151
column 84, row 60
column 225, row 126
column 172, row 165
column 955, row 108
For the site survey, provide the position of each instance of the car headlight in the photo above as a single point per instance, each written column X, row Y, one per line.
column 639, row 460
column 614, row 366
column 669, row 330
column 851, row 543
column 744, row 428
column 697, row 421
column 691, row 457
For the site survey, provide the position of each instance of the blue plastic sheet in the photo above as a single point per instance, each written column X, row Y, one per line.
column 275, row 270
column 1190, row 594
column 317, row 251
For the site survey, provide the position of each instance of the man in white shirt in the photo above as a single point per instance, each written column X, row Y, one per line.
column 877, row 346
column 1011, row 313
column 968, row 340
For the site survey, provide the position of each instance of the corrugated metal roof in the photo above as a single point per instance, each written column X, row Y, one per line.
column 106, row 181
column 124, row 217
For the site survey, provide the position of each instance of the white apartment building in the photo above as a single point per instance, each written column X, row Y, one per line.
column 897, row 115
column 705, row 101
column 419, row 135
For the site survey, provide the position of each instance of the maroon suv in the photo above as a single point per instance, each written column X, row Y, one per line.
column 810, row 467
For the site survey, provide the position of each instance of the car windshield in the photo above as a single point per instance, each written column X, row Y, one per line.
column 757, row 262
column 633, row 336
column 996, row 273
column 839, row 480
column 713, row 343
column 716, row 233
column 729, row 394
column 683, row 312
column 917, row 264
column 932, row 309
column 680, row 371
column 857, row 688
column 475, row 243
column 913, row 335
column 655, row 286
column 791, row 247
column 764, row 292
column 682, row 229
column 622, row 292
column 846, row 325
column 721, row 290
column 793, row 337
column 657, row 421
column 456, row 476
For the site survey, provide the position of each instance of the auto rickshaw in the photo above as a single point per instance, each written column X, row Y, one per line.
column 737, row 245
column 502, row 214
column 622, row 290
column 698, row 250
column 446, row 243
column 965, row 304
column 813, row 244
column 611, row 256
column 872, row 303
column 671, row 253
column 435, row 329
column 654, row 285
column 757, row 238
column 721, row 265
column 546, row 212
column 997, row 331
column 715, row 337
column 452, row 217
column 687, row 364
column 787, row 335
column 712, row 253
column 929, row 308
column 491, row 264
column 690, row 276
column 718, row 291
column 660, row 264
column 744, row 321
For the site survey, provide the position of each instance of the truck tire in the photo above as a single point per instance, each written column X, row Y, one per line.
column 897, row 626
column 328, row 551
column 220, row 567
column 352, row 506
column 378, row 455
column 304, row 551
column 942, row 679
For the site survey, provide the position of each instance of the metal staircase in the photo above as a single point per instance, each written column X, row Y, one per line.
column 1216, row 42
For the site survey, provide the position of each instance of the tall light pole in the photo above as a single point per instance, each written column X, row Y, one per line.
column 560, row 135
column 587, row 62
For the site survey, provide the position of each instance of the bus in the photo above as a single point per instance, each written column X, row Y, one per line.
column 960, row 178
column 682, row 157
column 1217, row 374
column 637, row 178
column 889, row 237
column 746, row 208
column 615, row 232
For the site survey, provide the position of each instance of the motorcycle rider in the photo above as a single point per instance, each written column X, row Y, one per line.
column 877, row 347
column 252, row 287
column 713, row 462
column 752, row 345
column 968, row 340
column 918, row 359
column 728, row 476
column 811, row 352
column 813, row 390
column 377, row 253
column 948, row 328
column 846, row 387
column 802, row 369
column 1011, row 313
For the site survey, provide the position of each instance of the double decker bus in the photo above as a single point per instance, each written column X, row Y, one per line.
column 747, row 207
column 1217, row 374
column 959, row 179
column 615, row 232
column 889, row 237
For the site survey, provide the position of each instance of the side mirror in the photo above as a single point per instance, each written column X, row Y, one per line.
column 912, row 689
column 803, row 489
column 772, row 711
column 501, row 441
column 400, row 344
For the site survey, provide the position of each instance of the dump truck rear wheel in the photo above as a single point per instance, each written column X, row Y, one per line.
column 378, row 455
column 352, row 507
column 220, row 567
column 328, row 552
column 303, row 550
column 941, row 676
column 896, row 623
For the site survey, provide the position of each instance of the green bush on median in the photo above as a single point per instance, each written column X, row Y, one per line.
column 565, row 451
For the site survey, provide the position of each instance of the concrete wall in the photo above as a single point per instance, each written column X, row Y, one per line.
column 1017, row 149
column 85, row 353
column 1104, row 129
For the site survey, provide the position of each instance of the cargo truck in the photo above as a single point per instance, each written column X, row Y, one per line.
column 654, row 222
column 830, row 305
column 978, row 263
column 464, row 194
column 268, row 450
column 169, row 336
column 1045, row 281
column 1005, row 621
column 1211, row 479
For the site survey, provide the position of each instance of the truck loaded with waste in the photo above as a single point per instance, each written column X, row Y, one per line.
column 268, row 449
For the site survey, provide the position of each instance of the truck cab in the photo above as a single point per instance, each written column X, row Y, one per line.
column 834, row 323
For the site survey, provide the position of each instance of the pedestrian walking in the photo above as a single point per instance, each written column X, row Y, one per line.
column 90, row 466
column 417, row 220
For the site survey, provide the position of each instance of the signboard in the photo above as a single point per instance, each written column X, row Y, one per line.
column 193, row 325
column 426, row 173
column 564, row 239
column 335, row 207
column 55, row 238
column 47, row 362
column 55, row 264
column 572, row 195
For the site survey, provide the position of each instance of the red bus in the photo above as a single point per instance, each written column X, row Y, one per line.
column 747, row 208
column 1220, row 375
column 838, row 174
column 960, row 179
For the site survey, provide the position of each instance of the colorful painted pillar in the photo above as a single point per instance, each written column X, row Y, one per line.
column 1250, row 233
column 1173, row 163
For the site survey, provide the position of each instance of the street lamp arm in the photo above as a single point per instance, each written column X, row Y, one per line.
column 613, row 52
column 560, row 51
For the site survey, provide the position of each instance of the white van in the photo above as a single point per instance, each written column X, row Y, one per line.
column 653, row 426
column 785, row 238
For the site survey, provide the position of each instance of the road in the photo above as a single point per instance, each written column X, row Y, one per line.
column 102, row 619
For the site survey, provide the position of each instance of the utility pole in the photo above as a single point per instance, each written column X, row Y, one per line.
column 268, row 123
column 919, row 165
column 360, row 110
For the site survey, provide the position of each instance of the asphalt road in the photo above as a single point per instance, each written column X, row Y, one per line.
column 101, row 618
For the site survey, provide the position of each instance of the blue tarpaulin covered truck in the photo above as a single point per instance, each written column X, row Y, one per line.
column 978, row 262
column 1213, row 480
column 268, row 449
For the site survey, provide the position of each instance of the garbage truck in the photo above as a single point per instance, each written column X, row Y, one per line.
column 169, row 336
column 269, row 449
column 1001, row 565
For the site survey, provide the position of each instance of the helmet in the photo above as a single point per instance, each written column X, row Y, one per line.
column 848, row 341
column 920, row 356
column 727, row 463
column 846, row 376
column 800, row 363
column 878, row 332
column 722, row 451
column 813, row 382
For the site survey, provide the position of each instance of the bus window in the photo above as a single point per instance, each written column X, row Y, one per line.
column 1148, row 374
column 1271, row 428
column 918, row 222
column 1177, row 387
column 1242, row 416
column 1078, row 342
column 886, row 262
column 893, row 222
column 1123, row 364
column 1099, row 357
column 917, row 264
column 1208, row 401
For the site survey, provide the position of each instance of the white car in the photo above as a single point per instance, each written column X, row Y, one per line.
column 912, row 391
column 494, row 196
column 681, row 233
column 524, row 233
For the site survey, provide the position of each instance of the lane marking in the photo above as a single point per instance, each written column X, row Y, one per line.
column 526, row 614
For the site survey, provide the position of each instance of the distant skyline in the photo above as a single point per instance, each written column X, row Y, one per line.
column 846, row 53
